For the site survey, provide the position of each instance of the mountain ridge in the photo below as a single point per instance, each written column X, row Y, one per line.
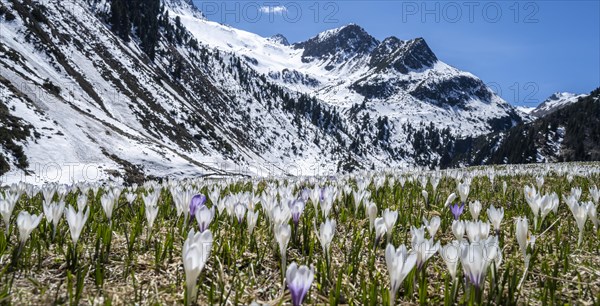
column 196, row 97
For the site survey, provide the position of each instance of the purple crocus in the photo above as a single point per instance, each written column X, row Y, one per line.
column 296, row 208
column 197, row 201
column 457, row 210
column 299, row 280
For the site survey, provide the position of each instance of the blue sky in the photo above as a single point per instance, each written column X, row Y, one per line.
column 525, row 50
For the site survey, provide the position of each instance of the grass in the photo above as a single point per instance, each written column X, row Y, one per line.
column 124, row 262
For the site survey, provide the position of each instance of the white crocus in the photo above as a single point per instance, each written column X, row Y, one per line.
column 450, row 199
column 477, row 231
column 326, row 233
column 204, row 217
column 108, row 204
column 196, row 250
column 251, row 219
column 399, row 264
column 390, row 217
column 539, row 182
column 458, row 229
column 283, row 232
column 372, row 212
column 433, row 225
column 76, row 221
column 580, row 213
column 151, row 213
column 495, row 216
column 592, row 213
column 6, row 209
column 524, row 237
column 82, row 202
column 425, row 195
column 451, row 255
column 425, row 249
column 240, row 212
column 475, row 209
column 477, row 257
column 130, row 197
column 53, row 213
column 463, row 191
column 595, row 194
column 380, row 229
column 27, row 223
column 315, row 195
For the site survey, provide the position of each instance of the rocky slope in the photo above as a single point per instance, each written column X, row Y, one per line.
column 84, row 85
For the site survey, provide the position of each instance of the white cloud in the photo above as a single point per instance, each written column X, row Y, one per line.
column 268, row 9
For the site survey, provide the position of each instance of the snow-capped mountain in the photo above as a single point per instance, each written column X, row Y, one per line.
column 170, row 93
column 570, row 134
column 555, row 102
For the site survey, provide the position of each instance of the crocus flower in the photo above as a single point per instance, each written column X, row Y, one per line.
column 475, row 209
column 399, row 264
column 417, row 235
column 457, row 210
column 240, row 212
column 327, row 198
column 524, row 237
column 299, row 280
column 433, row 225
column 358, row 196
column 204, row 216
column 495, row 217
column 6, row 209
column 539, row 182
column 425, row 195
column 151, row 199
column 463, row 191
column 130, row 197
column 580, row 214
column 450, row 199
column 53, row 213
column 504, row 188
column 380, row 229
column 476, row 258
column 27, row 223
column 214, row 195
column 390, row 217
column 48, row 193
column 82, row 202
column 424, row 249
column 326, row 232
column 477, row 231
column 296, row 209
column 76, row 221
column 458, row 229
column 282, row 236
column 196, row 251
column 280, row 214
column 151, row 213
column 372, row 212
column 195, row 204
column 592, row 213
column 251, row 218
column 595, row 194
column 108, row 204
column 451, row 255
column 315, row 195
